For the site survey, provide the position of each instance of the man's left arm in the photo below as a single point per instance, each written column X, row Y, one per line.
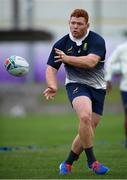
column 88, row 61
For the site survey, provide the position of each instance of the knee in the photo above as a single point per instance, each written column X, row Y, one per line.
column 86, row 118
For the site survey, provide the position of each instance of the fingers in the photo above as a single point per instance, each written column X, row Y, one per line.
column 58, row 60
column 59, row 53
column 49, row 97
column 46, row 90
column 57, row 57
column 58, row 50
column 49, row 90
column 49, row 93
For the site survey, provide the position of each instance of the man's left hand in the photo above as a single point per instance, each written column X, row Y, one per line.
column 61, row 56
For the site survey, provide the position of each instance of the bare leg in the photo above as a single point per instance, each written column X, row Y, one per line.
column 76, row 145
column 83, row 108
column 84, row 139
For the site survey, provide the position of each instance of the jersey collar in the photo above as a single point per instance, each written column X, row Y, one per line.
column 79, row 41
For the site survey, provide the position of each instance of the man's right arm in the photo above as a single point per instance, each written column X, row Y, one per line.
column 51, row 81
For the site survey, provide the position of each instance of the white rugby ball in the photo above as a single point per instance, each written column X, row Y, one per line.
column 16, row 66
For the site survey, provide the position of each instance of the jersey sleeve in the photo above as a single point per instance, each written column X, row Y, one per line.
column 98, row 48
column 51, row 59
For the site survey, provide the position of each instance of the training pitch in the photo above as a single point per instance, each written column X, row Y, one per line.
column 32, row 147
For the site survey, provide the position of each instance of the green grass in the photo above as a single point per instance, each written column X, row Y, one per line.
column 44, row 141
column 113, row 96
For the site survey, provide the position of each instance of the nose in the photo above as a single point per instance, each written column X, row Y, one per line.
column 75, row 25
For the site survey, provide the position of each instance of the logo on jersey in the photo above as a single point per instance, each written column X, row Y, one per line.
column 79, row 50
column 85, row 46
column 75, row 90
column 70, row 49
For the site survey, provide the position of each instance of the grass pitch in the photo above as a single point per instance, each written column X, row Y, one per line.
column 32, row 147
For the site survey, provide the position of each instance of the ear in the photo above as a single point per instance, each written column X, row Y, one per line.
column 88, row 25
column 69, row 21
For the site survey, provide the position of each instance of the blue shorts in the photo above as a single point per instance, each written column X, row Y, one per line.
column 97, row 96
column 124, row 99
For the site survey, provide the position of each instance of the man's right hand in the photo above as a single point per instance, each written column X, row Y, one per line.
column 49, row 93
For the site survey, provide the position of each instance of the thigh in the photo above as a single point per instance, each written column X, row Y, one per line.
column 75, row 90
column 82, row 105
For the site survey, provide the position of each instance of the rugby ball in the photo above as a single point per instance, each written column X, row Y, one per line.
column 16, row 66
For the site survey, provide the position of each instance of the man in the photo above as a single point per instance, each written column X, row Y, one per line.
column 117, row 63
column 82, row 52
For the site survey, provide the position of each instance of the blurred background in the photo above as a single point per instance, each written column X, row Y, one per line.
column 35, row 135
column 29, row 28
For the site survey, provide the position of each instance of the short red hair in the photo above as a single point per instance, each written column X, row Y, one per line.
column 80, row 13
